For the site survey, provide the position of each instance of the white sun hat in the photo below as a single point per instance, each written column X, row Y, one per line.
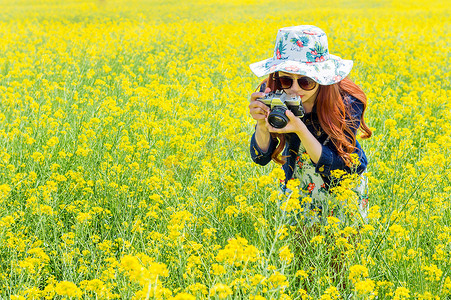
column 304, row 50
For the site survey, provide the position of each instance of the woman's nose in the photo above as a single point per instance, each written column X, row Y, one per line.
column 295, row 86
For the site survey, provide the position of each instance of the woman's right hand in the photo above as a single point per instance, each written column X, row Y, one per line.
column 257, row 109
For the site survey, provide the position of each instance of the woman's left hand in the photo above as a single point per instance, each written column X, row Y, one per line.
column 294, row 125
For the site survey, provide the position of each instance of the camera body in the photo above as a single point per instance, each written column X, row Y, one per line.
column 279, row 102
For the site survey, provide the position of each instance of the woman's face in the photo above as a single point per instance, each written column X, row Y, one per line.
column 296, row 90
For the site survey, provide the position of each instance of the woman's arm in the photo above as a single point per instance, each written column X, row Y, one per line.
column 310, row 143
column 262, row 136
column 330, row 160
column 262, row 144
column 326, row 157
column 257, row 154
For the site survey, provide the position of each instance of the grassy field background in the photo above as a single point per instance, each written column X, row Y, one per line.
column 124, row 164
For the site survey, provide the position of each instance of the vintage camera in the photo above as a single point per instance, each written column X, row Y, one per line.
column 279, row 102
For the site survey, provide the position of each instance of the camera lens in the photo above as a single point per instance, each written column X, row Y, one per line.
column 277, row 117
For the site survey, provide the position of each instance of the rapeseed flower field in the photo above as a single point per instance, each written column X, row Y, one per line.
column 125, row 171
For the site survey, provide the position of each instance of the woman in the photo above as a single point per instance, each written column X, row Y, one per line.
column 334, row 107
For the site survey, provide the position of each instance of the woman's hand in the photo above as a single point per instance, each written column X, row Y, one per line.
column 257, row 109
column 294, row 125
column 259, row 112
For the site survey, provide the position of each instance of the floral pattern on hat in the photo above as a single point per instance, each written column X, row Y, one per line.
column 317, row 53
column 300, row 41
column 304, row 50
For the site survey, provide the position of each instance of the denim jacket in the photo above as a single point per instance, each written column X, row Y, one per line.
column 329, row 160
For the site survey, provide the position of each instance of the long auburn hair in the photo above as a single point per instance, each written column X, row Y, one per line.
column 334, row 117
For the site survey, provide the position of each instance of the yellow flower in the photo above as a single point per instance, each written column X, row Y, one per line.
column 183, row 296
column 285, row 297
column 278, row 173
column 278, row 280
column 331, row 294
column 257, row 279
column 291, row 204
column 221, row 290
column 282, row 232
column 209, row 233
column 390, row 123
column 198, row 287
column 401, row 293
column 342, row 242
column 6, row 222
column 373, row 212
column 427, row 295
column 440, row 253
column 95, row 285
column 257, row 297
column 37, row 156
column 143, row 274
column 4, row 191
column 303, row 274
column 217, row 269
column 364, row 287
column 238, row 252
column 303, row 294
column 317, row 239
column 367, row 229
column 285, row 254
column 232, row 211
column 52, row 141
column 39, row 253
column 447, row 286
column 84, row 217
column 356, row 272
column 67, row 288
column 34, row 293
column 433, row 273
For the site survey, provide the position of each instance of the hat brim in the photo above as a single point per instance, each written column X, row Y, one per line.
column 325, row 72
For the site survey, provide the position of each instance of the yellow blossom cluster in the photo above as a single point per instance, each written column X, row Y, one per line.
column 124, row 153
